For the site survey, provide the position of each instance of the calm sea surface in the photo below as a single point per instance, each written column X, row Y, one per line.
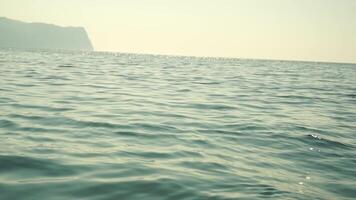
column 100, row 126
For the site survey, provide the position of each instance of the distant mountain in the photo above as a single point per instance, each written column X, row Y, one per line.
column 19, row 34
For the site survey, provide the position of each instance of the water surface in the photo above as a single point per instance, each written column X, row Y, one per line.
column 81, row 125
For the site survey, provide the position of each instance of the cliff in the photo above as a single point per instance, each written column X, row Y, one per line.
column 19, row 34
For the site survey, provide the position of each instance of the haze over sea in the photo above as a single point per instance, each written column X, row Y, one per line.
column 91, row 125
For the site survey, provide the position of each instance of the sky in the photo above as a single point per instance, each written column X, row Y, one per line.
column 312, row 30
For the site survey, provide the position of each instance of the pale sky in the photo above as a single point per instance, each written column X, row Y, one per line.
column 318, row 30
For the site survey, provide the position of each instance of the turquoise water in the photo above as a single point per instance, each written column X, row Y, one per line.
column 79, row 125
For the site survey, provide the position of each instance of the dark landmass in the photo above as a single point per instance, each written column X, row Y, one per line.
column 18, row 34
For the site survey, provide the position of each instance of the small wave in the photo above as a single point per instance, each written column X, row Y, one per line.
column 318, row 140
column 211, row 106
column 66, row 66
column 4, row 123
column 161, row 188
column 38, row 107
column 148, row 155
column 42, row 167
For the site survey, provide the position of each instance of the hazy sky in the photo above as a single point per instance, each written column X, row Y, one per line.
column 323, row 30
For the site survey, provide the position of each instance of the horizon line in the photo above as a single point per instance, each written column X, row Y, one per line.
column 228, row 57
column 192, row 56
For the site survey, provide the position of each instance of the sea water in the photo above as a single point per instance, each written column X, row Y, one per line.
column 96, row 125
